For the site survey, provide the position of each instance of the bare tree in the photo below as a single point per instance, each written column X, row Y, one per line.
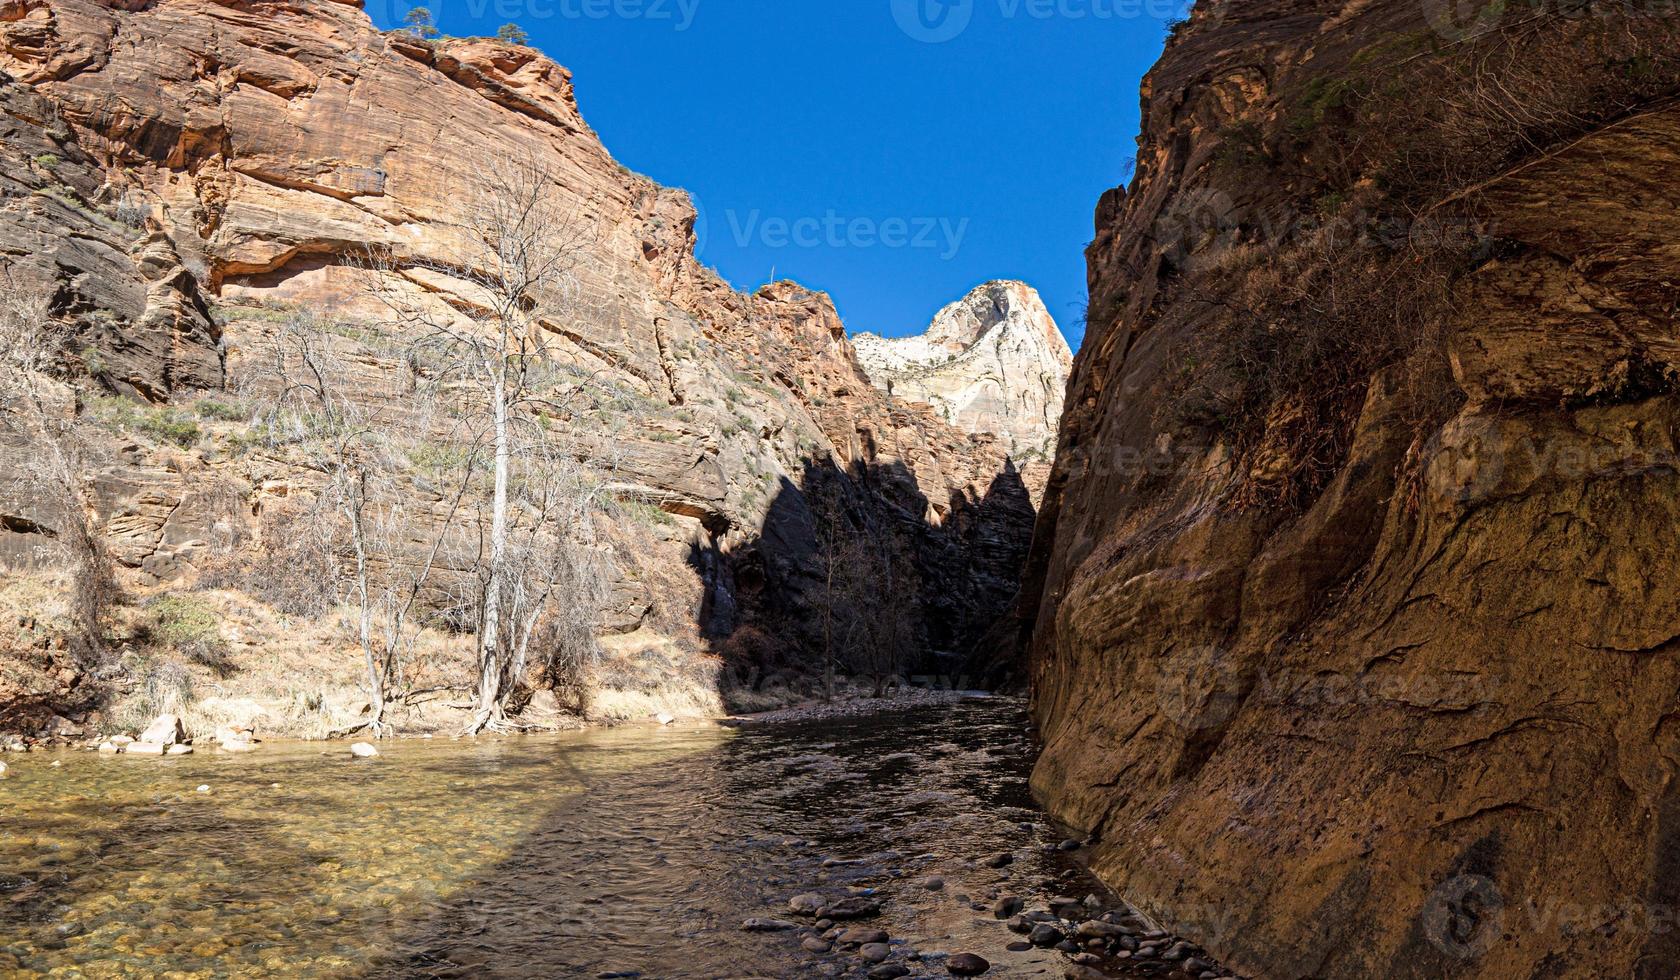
column 53, row 471
column 511, row 284
column 364, row 448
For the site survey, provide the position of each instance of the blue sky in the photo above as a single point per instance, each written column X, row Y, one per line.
column 894, row 153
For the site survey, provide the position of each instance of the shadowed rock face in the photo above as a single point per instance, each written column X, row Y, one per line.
column 1420, row 720
column 991, row 362
column 266, row 146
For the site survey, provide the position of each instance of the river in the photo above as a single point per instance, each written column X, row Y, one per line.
column 630, row 851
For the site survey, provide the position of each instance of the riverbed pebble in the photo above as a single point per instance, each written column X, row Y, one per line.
column 1000, row 860
column 889, row 971
column 967, row 965
column 1006, row 906
column 812, row 944
column 848, row 909
column 760, row 924
column 934, row 884
column 363, row 750
column 809, row 903
column 874, row 952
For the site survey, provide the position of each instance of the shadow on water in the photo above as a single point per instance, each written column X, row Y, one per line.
column 855, row 544
column 651, row 872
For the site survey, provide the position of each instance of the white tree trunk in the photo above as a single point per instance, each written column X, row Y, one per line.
column 355, row 510
column 491, row 654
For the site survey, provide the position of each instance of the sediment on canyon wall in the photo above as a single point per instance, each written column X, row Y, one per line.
column 1352, row 611
column 183, row 181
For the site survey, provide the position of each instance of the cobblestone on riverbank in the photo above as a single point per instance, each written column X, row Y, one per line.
column 903, row 699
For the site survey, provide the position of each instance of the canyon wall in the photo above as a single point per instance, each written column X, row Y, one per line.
column 1352, row 611
column 182, row 178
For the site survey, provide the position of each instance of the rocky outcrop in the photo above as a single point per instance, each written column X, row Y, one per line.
column 992, row 362
column 262, row 151
column 1352, row 618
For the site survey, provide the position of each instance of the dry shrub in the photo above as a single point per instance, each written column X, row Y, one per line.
column 1534, row 81
column 189, row 625
column 748, row 654
column 291, row 567
column 1296, row 321
column 1297, row 334
column 155, row 687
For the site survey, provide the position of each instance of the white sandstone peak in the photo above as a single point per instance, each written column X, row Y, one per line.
column 994, row 361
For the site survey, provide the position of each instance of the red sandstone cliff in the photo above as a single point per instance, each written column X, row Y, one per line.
column 183, row 174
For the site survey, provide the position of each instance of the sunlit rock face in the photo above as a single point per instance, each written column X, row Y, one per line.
column 259, row 151
column 992, row 362
column 1364, row 666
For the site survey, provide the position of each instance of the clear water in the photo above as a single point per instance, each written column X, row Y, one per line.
column 630, row 850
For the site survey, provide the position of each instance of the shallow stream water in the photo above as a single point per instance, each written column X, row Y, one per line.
column 632, row 851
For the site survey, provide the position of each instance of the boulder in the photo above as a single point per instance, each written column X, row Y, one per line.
column 166, row 730
column 364, row 750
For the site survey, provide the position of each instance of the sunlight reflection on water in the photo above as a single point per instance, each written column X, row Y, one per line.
column 628, row 850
